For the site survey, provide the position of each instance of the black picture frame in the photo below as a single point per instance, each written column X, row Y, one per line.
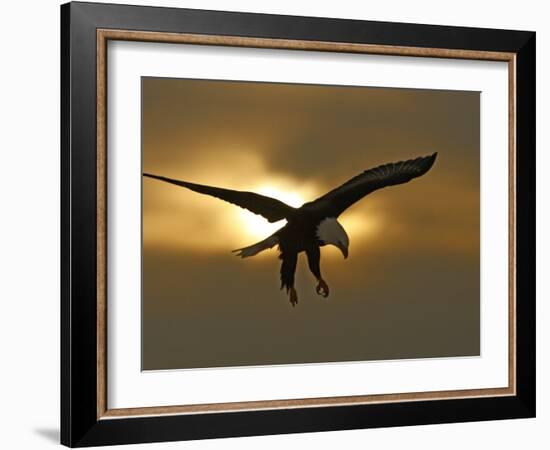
column 80, row 425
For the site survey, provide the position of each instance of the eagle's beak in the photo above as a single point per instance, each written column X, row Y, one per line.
column 343, row 249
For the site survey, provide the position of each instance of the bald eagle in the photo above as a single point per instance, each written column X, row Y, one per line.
column 314, row 224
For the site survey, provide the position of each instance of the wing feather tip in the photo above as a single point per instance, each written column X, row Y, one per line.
column 428, row 162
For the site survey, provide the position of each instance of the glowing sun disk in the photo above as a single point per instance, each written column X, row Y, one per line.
column 255, row 226
column 290, row 198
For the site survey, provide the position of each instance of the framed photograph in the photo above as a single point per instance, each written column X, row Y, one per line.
column 277, row 224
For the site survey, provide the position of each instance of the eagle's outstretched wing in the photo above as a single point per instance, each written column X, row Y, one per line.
column 335, row 202
column 273, row 210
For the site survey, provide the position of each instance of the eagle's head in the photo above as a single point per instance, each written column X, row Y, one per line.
column 330, row 232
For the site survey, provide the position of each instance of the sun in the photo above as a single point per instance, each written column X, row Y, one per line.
column 255, row 226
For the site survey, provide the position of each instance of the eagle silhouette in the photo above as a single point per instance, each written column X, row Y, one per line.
column 314, row 224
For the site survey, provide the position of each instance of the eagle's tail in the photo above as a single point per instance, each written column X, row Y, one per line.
column 252, row 250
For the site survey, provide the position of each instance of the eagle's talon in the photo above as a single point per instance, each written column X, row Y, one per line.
column 322, row 288
column 293, row 297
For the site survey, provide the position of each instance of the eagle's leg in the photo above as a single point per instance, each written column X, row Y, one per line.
column 314, row 263
column 288, row 267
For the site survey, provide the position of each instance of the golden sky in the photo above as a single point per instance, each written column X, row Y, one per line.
column 410, row 287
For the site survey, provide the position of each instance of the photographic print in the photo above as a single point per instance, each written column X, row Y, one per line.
column 295, row 224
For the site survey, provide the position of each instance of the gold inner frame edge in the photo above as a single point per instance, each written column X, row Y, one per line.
column 103, row 36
